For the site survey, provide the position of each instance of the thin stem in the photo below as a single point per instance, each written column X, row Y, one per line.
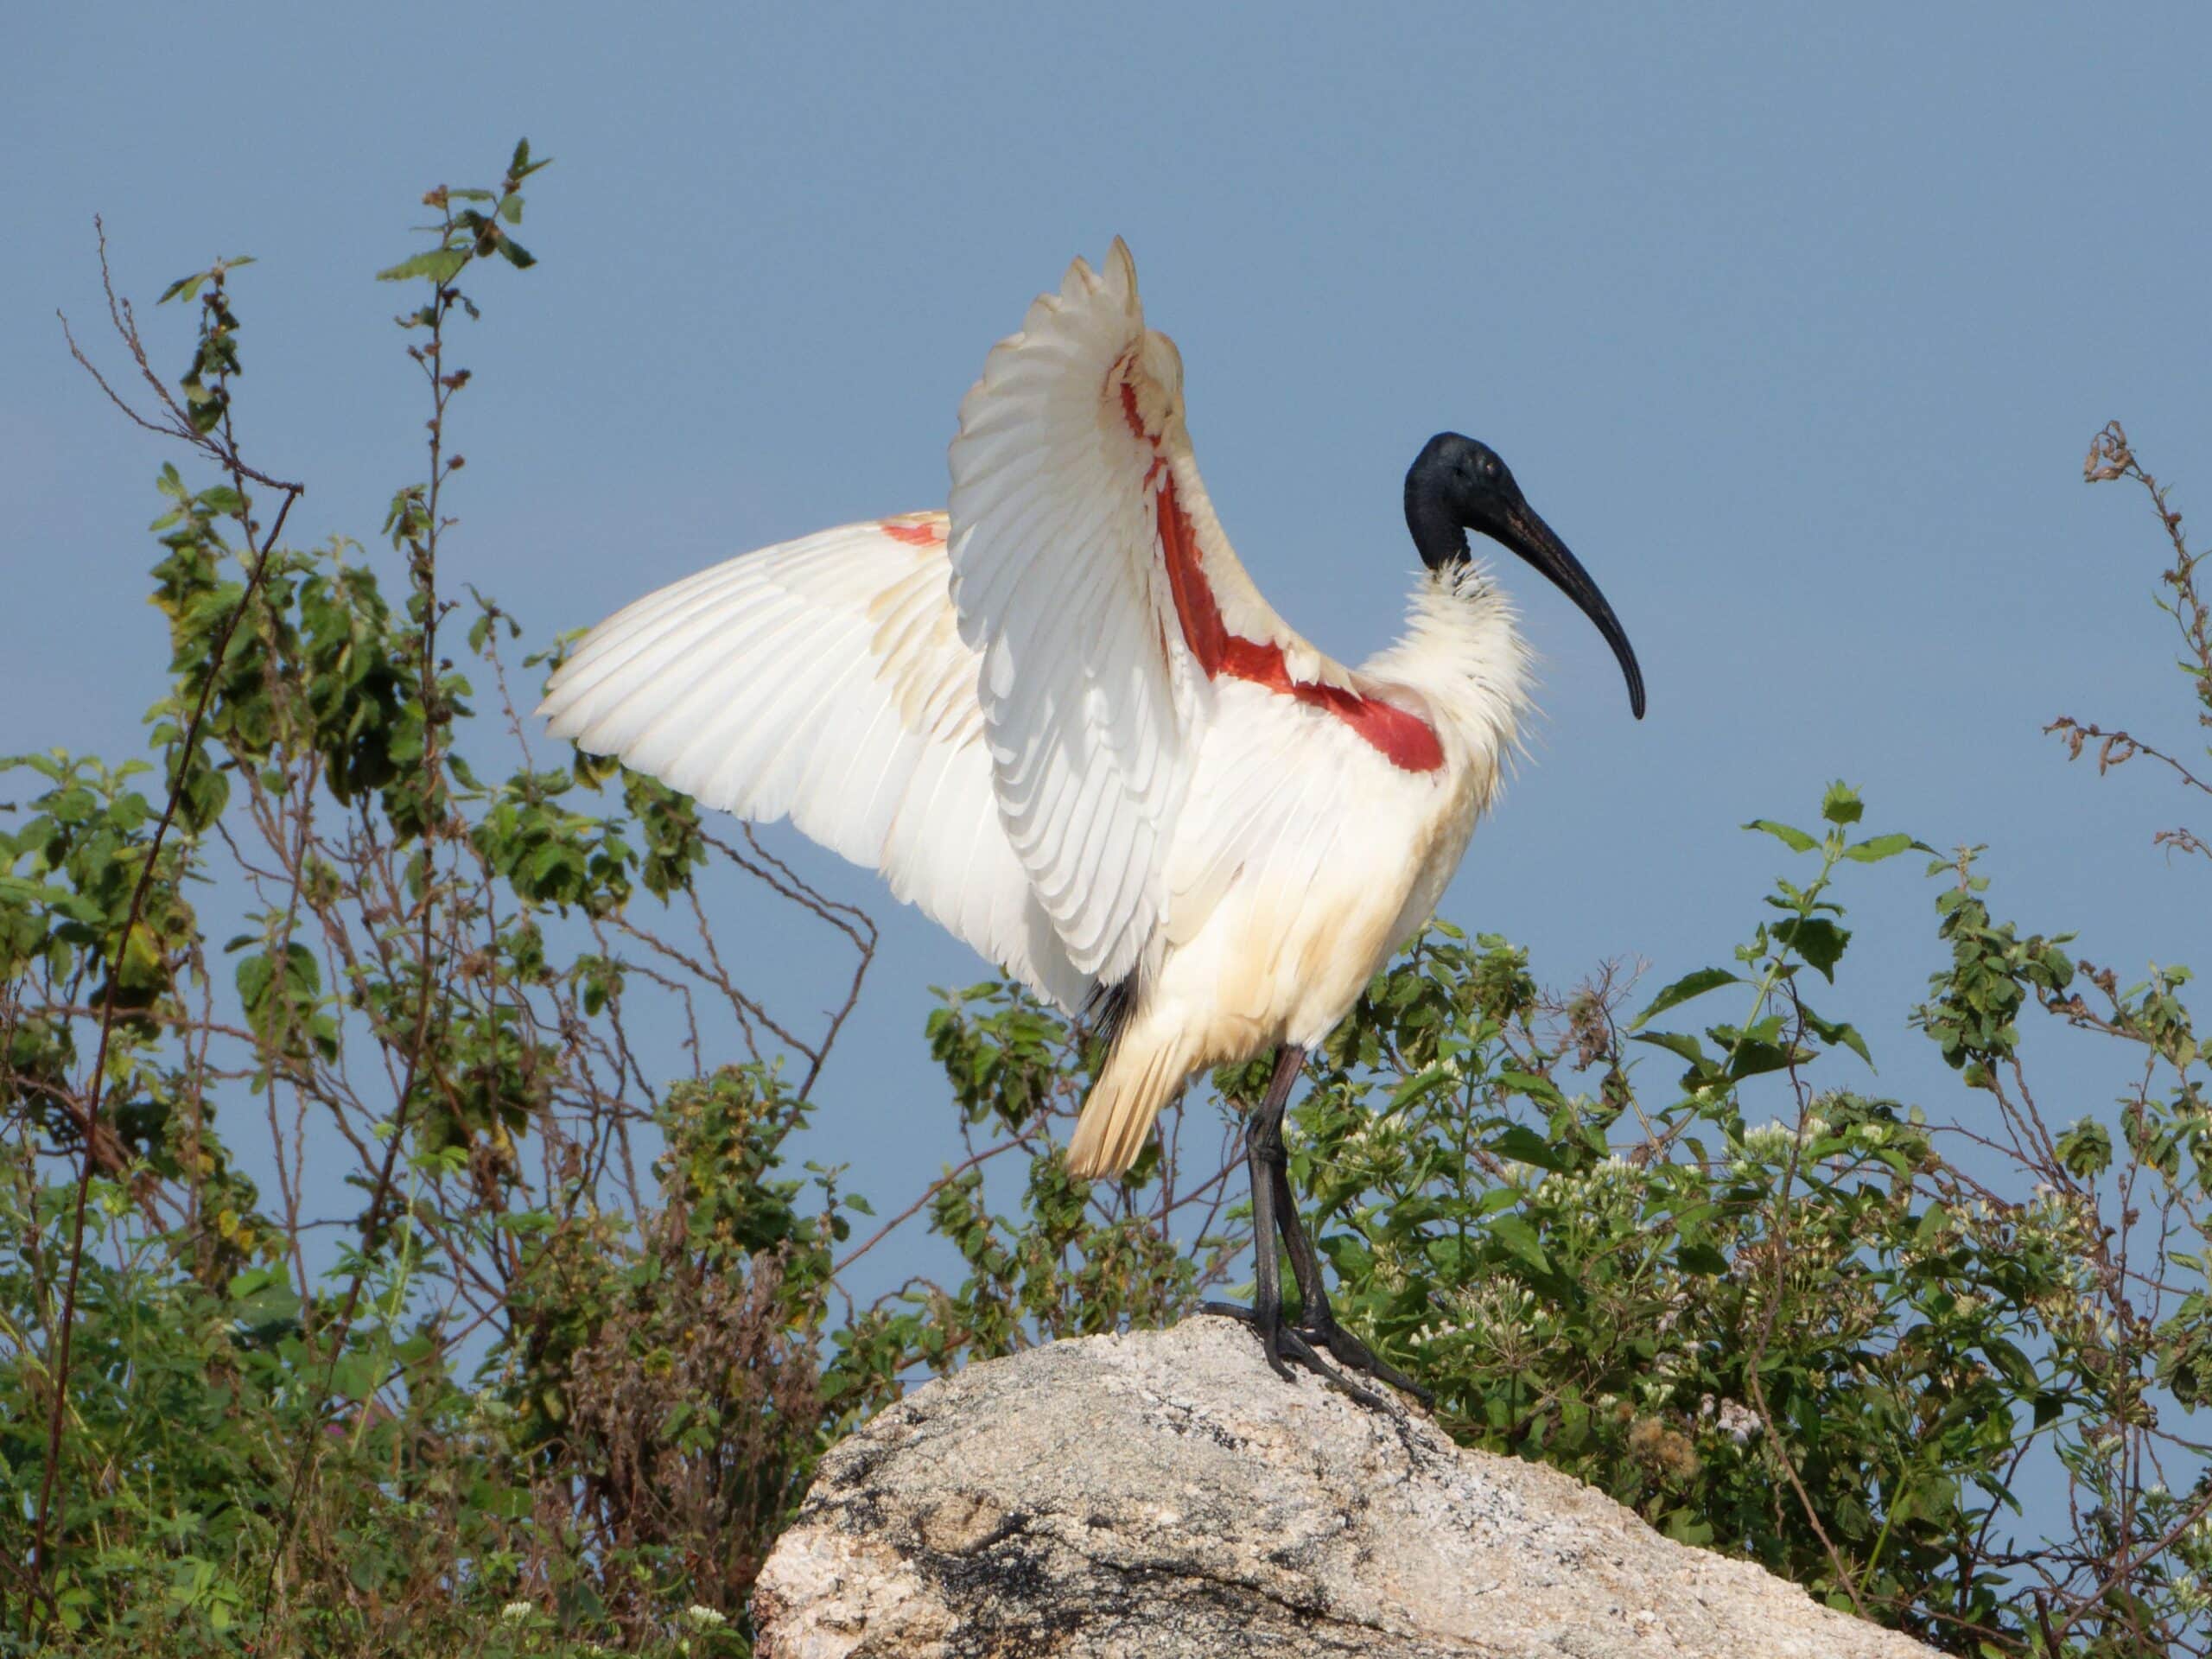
column 57, row 1369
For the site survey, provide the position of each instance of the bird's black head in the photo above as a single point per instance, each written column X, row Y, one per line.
column 1456, row 485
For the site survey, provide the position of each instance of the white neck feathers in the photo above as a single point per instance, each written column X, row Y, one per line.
column 1464, row 653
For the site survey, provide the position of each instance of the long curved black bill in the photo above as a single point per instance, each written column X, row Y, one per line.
column 1532, row 539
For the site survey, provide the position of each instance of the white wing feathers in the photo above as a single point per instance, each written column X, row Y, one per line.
column 824, row 680
column 1007, row 727
column 1054, row 582
column 1071, row 473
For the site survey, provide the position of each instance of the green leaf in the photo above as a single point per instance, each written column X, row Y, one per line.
column 1524, row 1146
column 1676, row 1042
column 1837, row 1031
column 1417, row 1084
column 354, row 1376
column 2017, row 1368
column 1795, row 840
column 1817, row 939
column 1841, row 804
column 1518, row 1237
column 1875, row 849
column 515, row 254
column 1752, row 1059
column 1689, row 985
column 2085, row 1150
column 440, row 266
column 1541, row 1090
column 1702, row 1259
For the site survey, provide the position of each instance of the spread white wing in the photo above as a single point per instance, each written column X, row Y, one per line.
column 1090, row 571
column 1007, row 727
column 825, row 679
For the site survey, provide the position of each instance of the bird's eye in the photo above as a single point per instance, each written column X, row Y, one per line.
column 1490, row 466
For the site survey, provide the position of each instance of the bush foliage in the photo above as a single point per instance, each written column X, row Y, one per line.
column 556, row 1374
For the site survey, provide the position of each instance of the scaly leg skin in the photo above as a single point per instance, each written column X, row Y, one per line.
column 1317, row 1320
column 1275, row 1214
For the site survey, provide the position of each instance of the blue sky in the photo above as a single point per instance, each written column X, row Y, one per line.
column 1794, row 324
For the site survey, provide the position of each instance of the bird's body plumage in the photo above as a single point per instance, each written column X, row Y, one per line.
column 1062, row 720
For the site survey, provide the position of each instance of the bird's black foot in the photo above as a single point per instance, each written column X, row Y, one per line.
column 1356, row 1356
column 1282, row 1342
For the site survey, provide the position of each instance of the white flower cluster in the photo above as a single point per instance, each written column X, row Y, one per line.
column 1494, row 1312
column 1604, row 1188
column 2192, row 1593
column 1370, row 1144
column 1771, row 1141
column 1739, row 1422
column 1768, row 1146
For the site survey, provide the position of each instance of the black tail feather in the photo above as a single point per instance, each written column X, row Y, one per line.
column 1108, row 1008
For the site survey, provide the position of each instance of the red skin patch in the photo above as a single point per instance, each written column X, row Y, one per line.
column 1404, row 740
column 925, row 534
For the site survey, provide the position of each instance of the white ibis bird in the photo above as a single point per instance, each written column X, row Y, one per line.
column 1061, row 720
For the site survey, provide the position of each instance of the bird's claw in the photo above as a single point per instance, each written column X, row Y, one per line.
column 1292, row 1338
column 1279, row 1338
column 1356, row 1356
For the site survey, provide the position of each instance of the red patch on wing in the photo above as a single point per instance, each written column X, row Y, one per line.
column 1129, row 404
column 1404, row 740
column 925, row 532
column 1203, row 631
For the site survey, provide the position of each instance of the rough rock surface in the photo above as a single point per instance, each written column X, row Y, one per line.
column 1166, row 1495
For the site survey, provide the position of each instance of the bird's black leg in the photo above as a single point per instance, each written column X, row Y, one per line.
column 1317, row 1320
column 1267, row 1272
column 1275, row 1216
